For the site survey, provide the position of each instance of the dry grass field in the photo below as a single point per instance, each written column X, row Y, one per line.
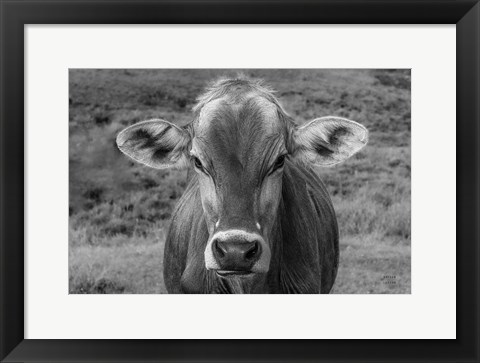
column 119, row 210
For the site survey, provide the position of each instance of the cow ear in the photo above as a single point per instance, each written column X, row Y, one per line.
column 329, row 140
column 155, row 143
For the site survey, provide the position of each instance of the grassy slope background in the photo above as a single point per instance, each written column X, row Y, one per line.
column 119, row 210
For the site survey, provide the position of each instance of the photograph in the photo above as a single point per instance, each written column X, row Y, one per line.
column 240, row 148
column 239, row 181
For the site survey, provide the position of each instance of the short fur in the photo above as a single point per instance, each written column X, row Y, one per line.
column 238, row 134
column 304, row 254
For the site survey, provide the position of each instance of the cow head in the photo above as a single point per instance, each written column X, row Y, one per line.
column 239, row 144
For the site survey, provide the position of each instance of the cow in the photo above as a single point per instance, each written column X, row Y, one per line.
column 255, row 216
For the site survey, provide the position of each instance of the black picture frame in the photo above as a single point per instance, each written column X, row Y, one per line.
column 16, row 14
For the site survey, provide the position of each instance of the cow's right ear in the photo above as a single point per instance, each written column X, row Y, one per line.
column 155, row 143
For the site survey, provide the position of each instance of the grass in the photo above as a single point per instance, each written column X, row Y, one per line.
column 102, row 269
column 119, row 210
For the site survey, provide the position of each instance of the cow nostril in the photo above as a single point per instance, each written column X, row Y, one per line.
column 253, row 251
column 218, row 249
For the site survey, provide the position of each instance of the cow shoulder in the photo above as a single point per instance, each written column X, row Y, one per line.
column 309, row 233
column 187, row 214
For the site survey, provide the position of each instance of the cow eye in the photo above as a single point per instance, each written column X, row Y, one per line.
column 279, row 162
column 197, row 163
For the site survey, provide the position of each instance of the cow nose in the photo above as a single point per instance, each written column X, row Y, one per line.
column 236, row 255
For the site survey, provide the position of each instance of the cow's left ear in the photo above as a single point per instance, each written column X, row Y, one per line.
column 328, row 140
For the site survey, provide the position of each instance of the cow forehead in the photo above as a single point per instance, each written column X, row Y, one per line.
column 239, row 133
column 234, row 110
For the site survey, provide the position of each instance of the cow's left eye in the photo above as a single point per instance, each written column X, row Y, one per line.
column 197, row 163
column 279, row 162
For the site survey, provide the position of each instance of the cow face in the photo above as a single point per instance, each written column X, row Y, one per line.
column 239, row 145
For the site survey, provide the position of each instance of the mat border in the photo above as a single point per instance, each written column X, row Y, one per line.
column 16, row 14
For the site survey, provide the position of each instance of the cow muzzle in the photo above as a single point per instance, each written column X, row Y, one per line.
column 237, row 252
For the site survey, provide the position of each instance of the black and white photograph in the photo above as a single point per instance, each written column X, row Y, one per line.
column 321, row 157
column 239, row 181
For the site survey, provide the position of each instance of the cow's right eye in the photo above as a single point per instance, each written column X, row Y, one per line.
column 279, row 162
